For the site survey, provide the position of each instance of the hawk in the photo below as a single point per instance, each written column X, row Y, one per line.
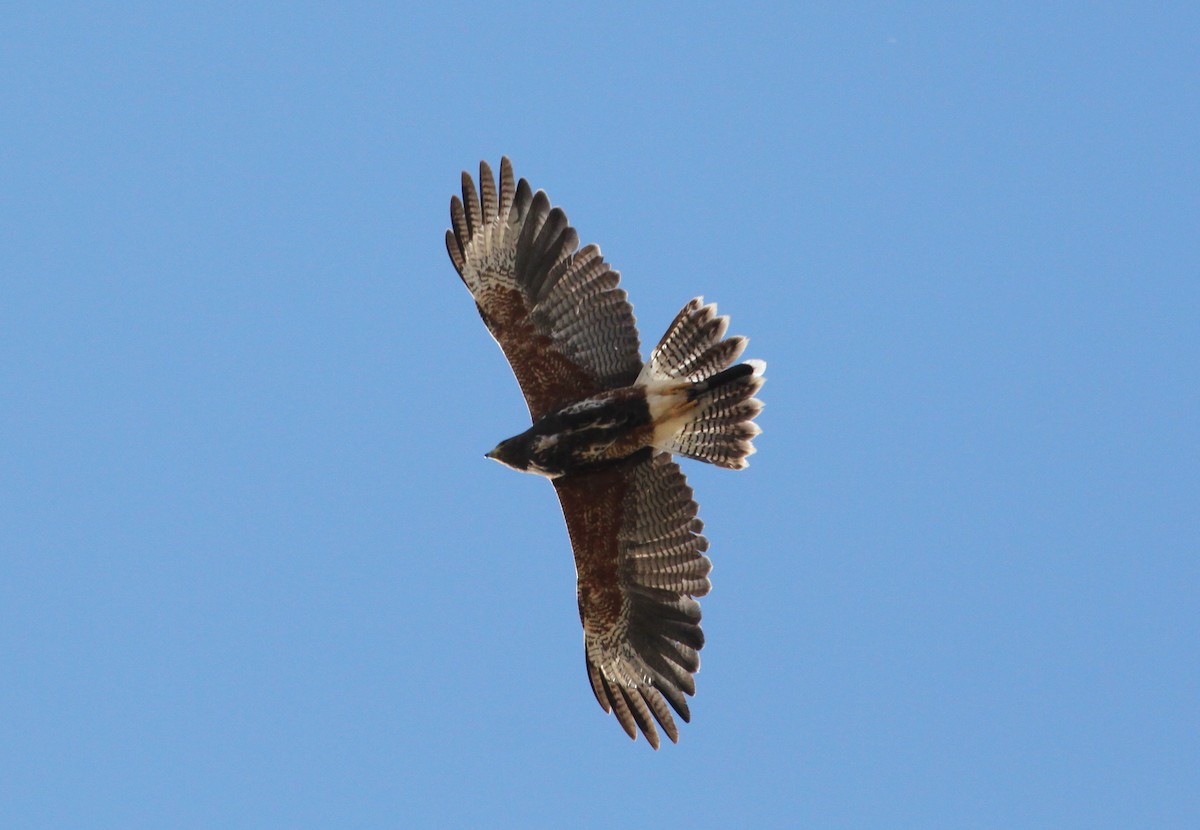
column 605, row 426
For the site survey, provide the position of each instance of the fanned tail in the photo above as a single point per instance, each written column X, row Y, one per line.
column 703, row 407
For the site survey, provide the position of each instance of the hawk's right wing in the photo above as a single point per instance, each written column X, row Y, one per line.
column 639, row 561
column 565, row 326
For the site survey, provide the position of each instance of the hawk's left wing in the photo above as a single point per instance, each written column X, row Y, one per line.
column 639, row 561
column 557, row 312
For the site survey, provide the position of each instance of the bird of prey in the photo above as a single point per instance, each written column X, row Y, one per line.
column 605, row 426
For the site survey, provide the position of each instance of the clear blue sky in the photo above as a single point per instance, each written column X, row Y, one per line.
column 256, row 573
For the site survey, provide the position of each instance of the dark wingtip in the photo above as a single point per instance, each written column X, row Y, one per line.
column 455, row 252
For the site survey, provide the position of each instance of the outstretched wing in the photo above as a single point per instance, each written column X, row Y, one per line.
column 639, row 561
column 565, row 326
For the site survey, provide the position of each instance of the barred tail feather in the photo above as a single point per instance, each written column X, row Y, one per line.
column 721, row 429
column 694, row 347
column 704, row 408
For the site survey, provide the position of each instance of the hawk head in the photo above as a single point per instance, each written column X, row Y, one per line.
column 520, row 453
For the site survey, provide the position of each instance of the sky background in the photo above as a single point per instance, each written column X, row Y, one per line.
column 256, row 573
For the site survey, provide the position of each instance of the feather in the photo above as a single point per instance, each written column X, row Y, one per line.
column 506, row 189
column 471, row 201
column 487, row 193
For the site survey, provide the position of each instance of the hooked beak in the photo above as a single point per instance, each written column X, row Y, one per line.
column 494, row 454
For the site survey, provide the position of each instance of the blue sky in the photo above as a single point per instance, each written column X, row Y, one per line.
column 255, row 571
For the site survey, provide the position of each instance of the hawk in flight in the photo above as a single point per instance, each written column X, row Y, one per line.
column 605, row 425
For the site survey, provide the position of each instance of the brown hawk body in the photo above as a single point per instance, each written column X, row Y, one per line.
column 604, row 427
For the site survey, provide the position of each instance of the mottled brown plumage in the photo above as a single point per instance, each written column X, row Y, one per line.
column 604, row 425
